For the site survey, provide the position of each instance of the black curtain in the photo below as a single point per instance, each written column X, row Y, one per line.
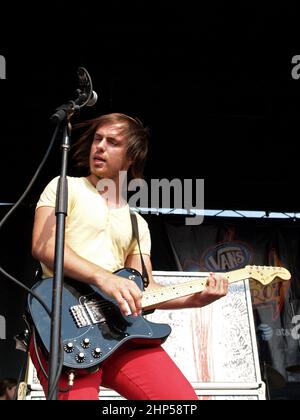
column 16, row 260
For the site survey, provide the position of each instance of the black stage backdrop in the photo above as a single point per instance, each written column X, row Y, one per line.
column 16, row 260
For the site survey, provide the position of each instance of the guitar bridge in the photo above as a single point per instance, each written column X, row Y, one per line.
column 80, row 316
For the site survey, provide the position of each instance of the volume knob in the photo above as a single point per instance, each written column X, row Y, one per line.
column 69, row 347
column 97, row 352
column 85, row 343
column 80, row 357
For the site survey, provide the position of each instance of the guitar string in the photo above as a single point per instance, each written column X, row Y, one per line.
column 166, row 290
column 162, row 292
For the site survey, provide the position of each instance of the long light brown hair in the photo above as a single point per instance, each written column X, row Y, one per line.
column 137, row 147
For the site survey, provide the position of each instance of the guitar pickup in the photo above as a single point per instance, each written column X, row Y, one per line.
column 93, row 309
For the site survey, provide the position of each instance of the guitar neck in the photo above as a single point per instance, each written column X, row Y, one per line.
column 152, row 298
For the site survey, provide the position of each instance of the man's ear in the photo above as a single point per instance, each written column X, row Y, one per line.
column 130, row 163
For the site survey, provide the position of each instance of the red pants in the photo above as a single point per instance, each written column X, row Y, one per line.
column 145, row 373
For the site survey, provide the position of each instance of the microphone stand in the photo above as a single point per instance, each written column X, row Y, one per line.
column 61, row 117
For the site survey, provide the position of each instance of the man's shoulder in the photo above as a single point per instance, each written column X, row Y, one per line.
column 73, row 180
column 76, row 180
column 140, row 219
column 74, row 183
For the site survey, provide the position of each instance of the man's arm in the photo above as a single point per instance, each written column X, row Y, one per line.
column 76, row 267
column 217, row 286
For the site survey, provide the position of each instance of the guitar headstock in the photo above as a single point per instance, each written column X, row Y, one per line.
column 265, row 274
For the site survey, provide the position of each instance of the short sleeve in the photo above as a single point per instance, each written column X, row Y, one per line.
column 144, row 237
column 48, row 196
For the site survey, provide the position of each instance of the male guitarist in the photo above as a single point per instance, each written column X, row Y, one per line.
column 98, row 242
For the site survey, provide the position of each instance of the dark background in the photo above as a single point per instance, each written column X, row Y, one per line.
column 212, row 80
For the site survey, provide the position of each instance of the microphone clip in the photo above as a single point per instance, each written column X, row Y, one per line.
column 64, row 112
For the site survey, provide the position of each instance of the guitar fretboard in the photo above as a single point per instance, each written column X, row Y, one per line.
column 153, row 298
column 164, row 294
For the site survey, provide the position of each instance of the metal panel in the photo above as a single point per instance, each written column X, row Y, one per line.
column 215, row 346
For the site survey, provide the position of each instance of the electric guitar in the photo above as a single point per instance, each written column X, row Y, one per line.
column 93, row 326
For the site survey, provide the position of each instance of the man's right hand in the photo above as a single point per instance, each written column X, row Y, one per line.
column 124, row 291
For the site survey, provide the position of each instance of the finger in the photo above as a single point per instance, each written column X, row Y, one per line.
column 123, row 305
column 225, row 286
column 137, row 297
column 136, row 293
column 132, row 303
column 128, row 296
column 211, row 281
column 222, row 287
column 221, row 283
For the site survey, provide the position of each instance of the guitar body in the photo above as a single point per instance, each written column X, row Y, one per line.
column 92, row 326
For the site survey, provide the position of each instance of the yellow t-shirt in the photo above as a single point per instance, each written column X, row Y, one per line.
column 93, row 230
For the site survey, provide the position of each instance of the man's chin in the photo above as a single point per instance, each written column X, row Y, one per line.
column 99, row 172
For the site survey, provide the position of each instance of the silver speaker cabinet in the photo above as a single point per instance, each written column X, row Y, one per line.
column 214, row 346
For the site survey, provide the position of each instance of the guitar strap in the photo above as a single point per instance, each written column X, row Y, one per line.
column 135, row 231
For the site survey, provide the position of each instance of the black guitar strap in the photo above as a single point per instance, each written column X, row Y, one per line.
column 135, row 231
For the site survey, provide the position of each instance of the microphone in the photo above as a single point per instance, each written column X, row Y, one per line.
column 86, row 97
column 93, row 99
column 86, row 87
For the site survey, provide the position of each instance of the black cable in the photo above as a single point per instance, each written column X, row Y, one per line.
column 12, row 210
column 15, row 206
column 59, row 370
column 37, row 297
column 33, row 179
column 37, row 353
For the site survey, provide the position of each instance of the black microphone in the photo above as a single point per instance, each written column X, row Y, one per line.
column 86, row 87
